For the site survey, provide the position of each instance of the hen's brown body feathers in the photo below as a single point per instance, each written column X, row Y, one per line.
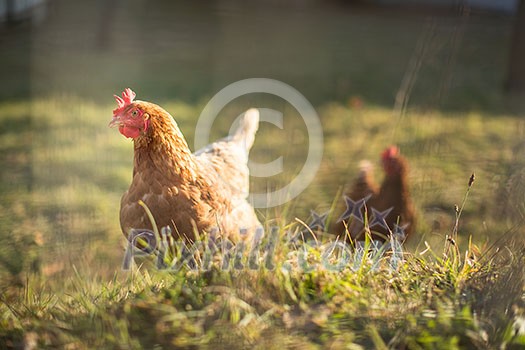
column 191, row 193
column 393, row 195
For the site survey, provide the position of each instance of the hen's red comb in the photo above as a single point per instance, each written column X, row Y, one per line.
column 127, row 98
column 390, row 152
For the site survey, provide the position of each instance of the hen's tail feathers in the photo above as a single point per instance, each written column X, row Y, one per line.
column 247, row 128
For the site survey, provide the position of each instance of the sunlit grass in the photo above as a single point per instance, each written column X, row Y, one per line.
column 79, row 168
column 62, row 249
column 429, row 302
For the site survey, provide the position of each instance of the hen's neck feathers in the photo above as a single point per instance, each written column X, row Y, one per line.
column 396, row 182
column 163, row 146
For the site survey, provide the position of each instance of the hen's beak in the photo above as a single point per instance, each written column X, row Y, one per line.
column 115, row 122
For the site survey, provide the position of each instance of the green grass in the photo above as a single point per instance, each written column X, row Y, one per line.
column 428, row 303
column 62, row 282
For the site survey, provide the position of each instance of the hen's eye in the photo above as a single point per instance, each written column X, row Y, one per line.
column 135, row 113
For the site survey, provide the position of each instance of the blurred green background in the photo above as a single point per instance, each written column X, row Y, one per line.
column 427, row 79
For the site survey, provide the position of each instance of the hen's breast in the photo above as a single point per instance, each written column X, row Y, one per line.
column 176, row 205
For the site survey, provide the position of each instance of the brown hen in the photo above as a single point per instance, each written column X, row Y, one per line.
column 191, row 193
column 388, row 208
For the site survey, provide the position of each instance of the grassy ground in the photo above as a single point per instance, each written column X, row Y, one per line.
column 64, row 172
column 62, row 283
column 429, row 303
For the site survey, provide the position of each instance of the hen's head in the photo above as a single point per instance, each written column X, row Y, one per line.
column 130, row 116
column 393, row 162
